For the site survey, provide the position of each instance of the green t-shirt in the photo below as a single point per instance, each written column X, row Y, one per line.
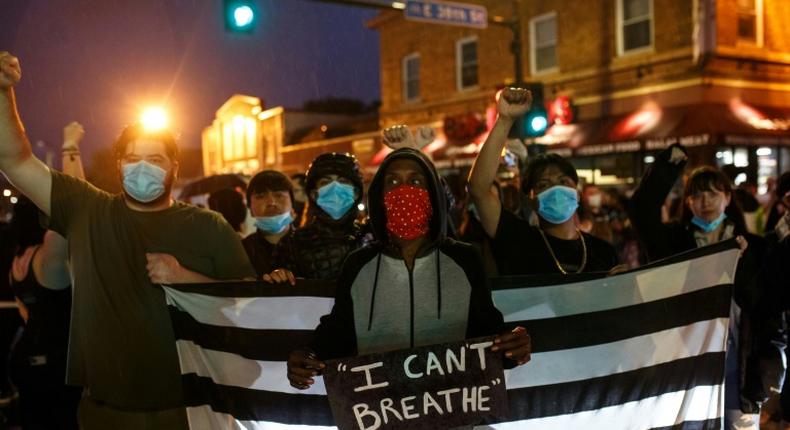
column 121, row 343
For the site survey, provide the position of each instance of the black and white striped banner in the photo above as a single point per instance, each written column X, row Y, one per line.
column 639, row 350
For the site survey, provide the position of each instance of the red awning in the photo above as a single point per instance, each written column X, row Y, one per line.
column 653, row 127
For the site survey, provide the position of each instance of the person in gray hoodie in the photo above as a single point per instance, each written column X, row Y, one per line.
column 413, row 286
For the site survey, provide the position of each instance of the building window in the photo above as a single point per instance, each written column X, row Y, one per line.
column 466, row 63
column 411, row 77
column 750, row 21
column 543, row 43
column 635, row 25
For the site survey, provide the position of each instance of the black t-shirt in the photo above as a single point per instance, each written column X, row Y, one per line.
column 519, row 249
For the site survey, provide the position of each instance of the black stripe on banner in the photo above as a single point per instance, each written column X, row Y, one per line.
column 303, row 288
column 711, row 424
column 255, row 344
column 525, row 403
column 593, row 328
column 530, row 281
column 596, row 393
column 257, row 405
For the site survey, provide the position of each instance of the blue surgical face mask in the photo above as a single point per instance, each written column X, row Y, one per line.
column 274, row 224
column 558, row 204
column 708, row 227
column 143, row 181
column 336, row 199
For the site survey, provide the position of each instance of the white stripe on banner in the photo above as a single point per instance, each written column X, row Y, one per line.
column 293, row 313
column 546, row 368
column 520, row 304
column 203, row 418
column 561, row 366
column 237, row 371
column 698, row 404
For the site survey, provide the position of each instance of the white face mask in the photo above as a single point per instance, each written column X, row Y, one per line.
column 144, row 181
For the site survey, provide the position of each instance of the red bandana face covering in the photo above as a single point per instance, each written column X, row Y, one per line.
column 408, row 211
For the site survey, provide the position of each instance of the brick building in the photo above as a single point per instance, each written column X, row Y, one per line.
column 639, row 74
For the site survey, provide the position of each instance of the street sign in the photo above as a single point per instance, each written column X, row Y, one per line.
column 442, row 12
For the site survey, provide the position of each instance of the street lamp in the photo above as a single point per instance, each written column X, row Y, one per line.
column 154, row 118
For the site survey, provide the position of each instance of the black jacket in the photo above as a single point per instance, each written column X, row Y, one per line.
column 267, row 257
column 323, row 245
column 380, row 305
column 761, row 332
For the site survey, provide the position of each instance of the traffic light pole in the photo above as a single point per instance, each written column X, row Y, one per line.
column 514, row 25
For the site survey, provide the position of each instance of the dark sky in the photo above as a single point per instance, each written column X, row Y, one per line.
column 100, row 61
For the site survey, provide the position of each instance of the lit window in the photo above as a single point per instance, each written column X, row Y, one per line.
column 635, row 25
column 543, row 43
column 411, row 77
column 750, row 21
column 466, row 63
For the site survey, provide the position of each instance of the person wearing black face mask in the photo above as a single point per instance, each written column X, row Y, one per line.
column 557, row 245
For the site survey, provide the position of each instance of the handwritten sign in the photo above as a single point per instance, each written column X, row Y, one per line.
column 439, row 386
column 444, row 12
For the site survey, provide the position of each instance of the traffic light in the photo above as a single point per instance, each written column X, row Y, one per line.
column 240, row 15
column 535, row 122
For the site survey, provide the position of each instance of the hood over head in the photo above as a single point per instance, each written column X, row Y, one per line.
column 376, row 211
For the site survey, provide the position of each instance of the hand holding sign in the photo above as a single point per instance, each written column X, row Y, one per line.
column 516, row 345
column 438, row 386
column 302, row 367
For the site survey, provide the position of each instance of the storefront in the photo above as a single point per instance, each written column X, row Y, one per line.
column 753, row 141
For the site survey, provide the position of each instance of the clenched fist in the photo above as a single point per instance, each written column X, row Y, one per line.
column 163, row 268
column 399, row 136
column 72, row 135
column 10, row 70
column 514, row 102
column 424, row 136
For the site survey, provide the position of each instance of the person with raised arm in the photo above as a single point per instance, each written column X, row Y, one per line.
column 121, row 342
column 556, row 245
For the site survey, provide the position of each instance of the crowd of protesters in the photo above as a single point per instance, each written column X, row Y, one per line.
column 96, row 348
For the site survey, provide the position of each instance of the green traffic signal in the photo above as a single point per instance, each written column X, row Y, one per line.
column 240, row 15
column 536, row 122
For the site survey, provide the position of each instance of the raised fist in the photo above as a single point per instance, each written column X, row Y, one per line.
column 677, row 156
column 514, row 102
column 10, row 70
column 72, row 135
column 424, row 136
column 399, row 136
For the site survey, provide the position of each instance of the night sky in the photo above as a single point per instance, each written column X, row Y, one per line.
column 100, row 61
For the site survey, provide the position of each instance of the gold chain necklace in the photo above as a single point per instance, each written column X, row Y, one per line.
column 557, row 262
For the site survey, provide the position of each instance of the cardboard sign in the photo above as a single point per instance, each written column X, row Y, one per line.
column 439, row 386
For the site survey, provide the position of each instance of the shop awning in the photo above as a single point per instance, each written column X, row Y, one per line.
column 653, row 127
